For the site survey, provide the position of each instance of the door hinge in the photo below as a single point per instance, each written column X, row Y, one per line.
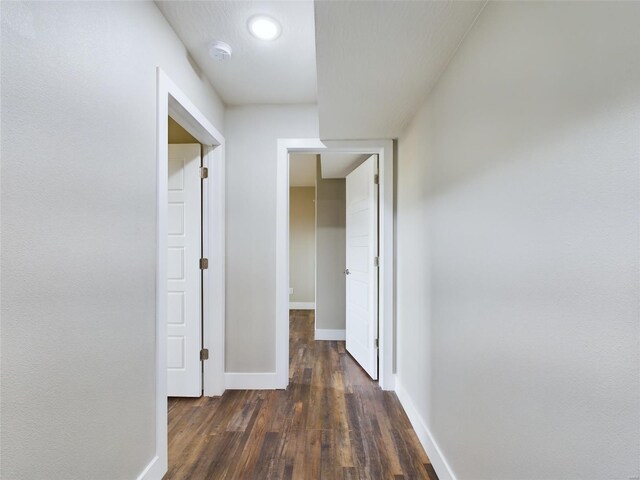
column 376, row 179
column 204, row 354
column 376, row 344
column 376, row 261
column 204, row 172
column 204, row 263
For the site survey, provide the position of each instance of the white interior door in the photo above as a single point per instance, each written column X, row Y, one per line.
column 361, row 265
column 184, row 371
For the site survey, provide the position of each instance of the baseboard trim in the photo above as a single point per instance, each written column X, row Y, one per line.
column 251, row 381
column 153, row 471
column 429, row 444
column 327, row 334
column 302, row 305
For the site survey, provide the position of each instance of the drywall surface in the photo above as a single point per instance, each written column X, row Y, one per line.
column 302, row 244
column 331, row 252
column 251, row 135
column 78, row 153
column 377, row 59
column 518, row 233
column 302, row 170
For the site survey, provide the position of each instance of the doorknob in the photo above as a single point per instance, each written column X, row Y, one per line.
column 347, row 272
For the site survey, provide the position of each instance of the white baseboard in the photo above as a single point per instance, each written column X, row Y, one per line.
column 251, row 381
column 327, row 334
column 302, row 305
column 438, row 462
column 153, row 471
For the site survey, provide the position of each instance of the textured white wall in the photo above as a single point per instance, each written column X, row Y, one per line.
column 518, row 233
column 251, row 135
column 331, row 252
column 78, row 233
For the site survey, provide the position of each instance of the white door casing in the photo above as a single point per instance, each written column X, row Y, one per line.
column 184, row 372
column 384, row 148
column 172, row 101
column 361, row 267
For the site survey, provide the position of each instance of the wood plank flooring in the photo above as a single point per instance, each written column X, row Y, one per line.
column 333, row 423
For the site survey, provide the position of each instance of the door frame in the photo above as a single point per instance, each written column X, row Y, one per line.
column 386, row 294
column 171, row 101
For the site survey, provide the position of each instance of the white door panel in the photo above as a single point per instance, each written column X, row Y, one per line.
column 184, row 377
column 362, row 277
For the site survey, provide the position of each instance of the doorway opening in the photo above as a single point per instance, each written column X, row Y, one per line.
column 172, row 102
column 344, row 306
column 378, row 155
column 302, row 232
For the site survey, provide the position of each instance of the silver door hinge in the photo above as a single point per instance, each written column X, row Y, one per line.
column 376, row 179
column 204, row 263
column 376, row 261
column 204, row 354
column 204, row 172
column 376, row 343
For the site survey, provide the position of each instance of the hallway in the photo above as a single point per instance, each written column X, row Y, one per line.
column 332, row 422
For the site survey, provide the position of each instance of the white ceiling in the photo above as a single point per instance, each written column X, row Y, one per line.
column 377, row 61
column 258, row 72
column 339, row 165
column 302, row 170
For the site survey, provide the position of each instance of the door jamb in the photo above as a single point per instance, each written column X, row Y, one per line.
column 384, row 149
column 171, row 101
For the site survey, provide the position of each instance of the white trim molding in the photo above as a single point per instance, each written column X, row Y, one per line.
column 153, row 470
column 251, row 381
column 302, row 305
column 171, row 101
column 213, row 381
column 438, row 462
column 328, row 334
column 384, row 149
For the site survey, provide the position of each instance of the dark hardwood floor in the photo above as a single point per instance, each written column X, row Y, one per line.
column 332, row 423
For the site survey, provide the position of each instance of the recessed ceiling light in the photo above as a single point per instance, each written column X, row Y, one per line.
column 264, row 27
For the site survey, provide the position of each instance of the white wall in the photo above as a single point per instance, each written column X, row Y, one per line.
column 331, row 252
column 78, row 153
column 302, row 244
column 518, row 233
column 251, row 135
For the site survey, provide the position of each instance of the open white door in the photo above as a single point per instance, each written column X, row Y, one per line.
column 361, row 263
column 184, row 371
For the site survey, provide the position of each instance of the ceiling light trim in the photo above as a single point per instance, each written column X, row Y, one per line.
column 264, row 27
